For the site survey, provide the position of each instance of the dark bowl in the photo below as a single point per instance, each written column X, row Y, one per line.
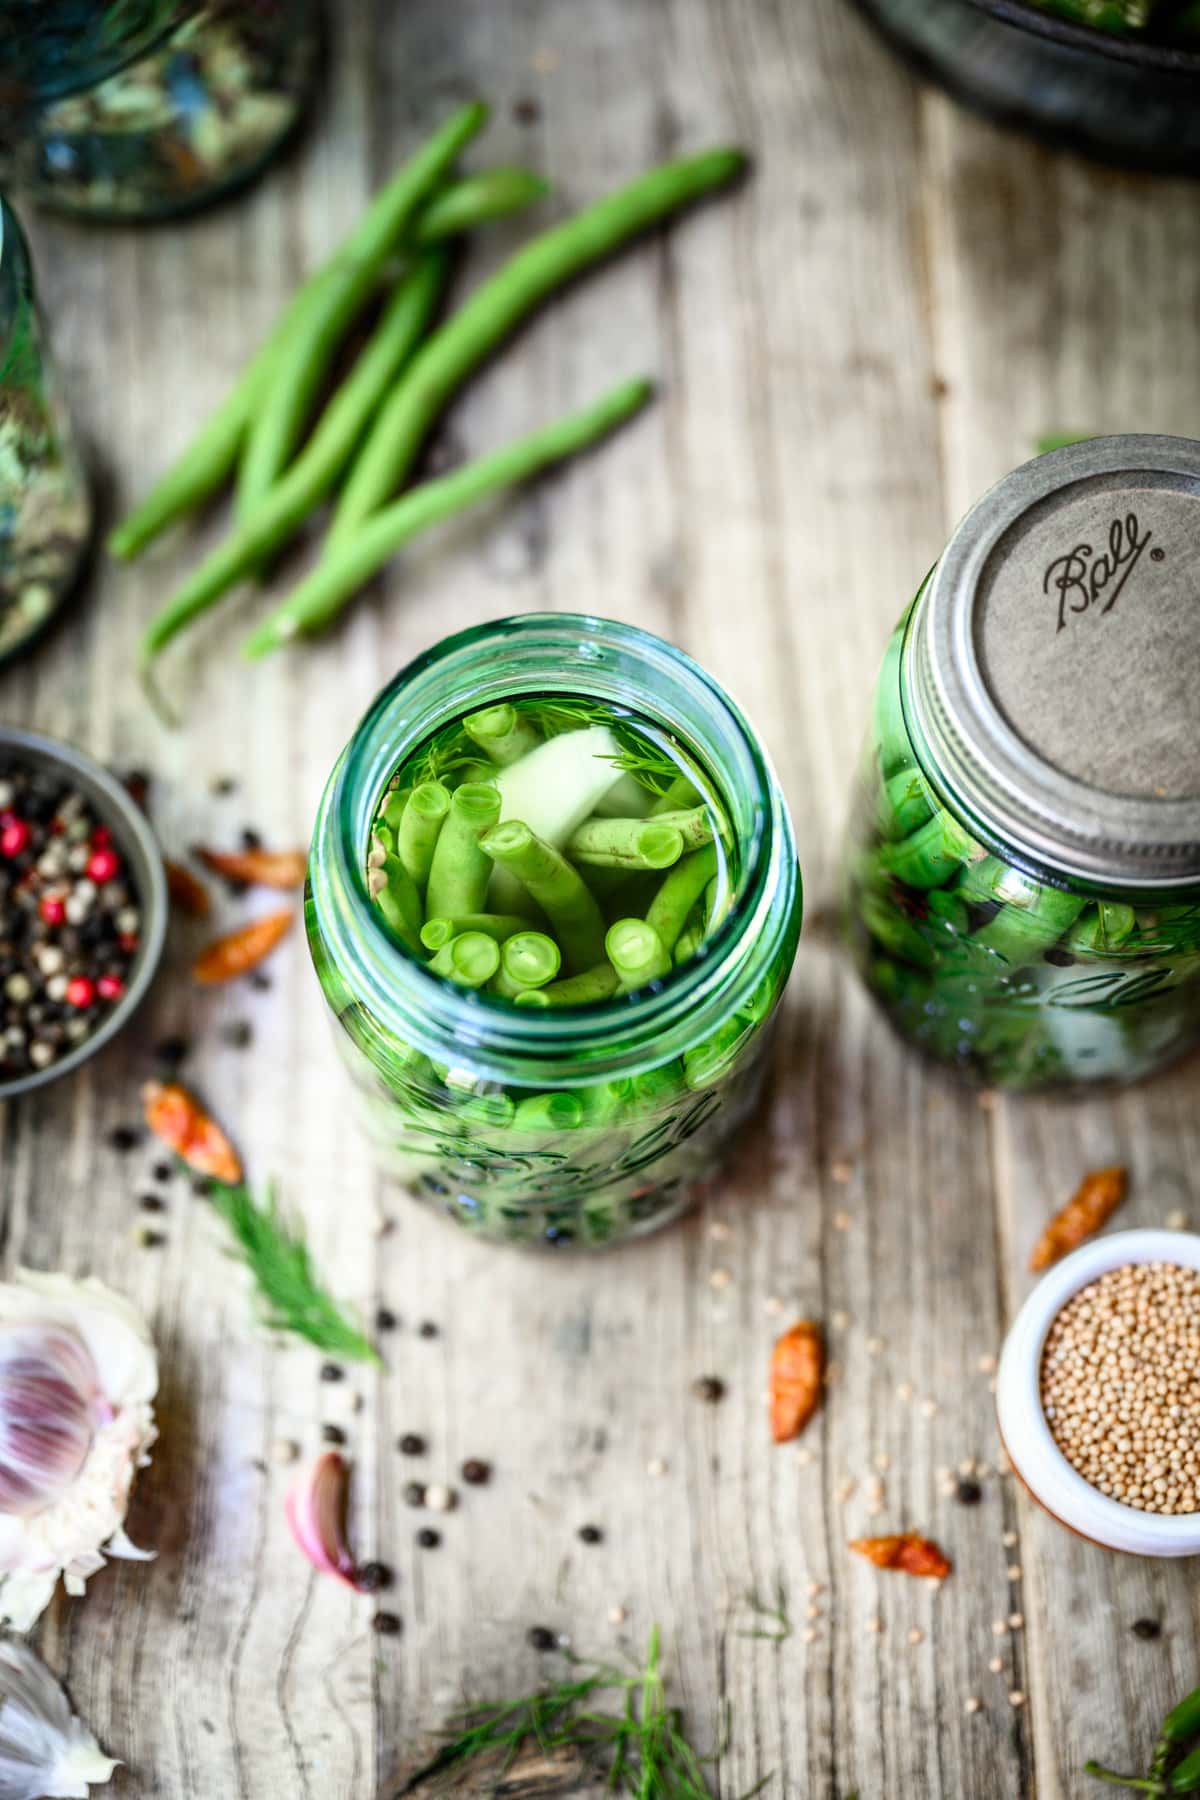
column 142, row 857
column 1114, row 98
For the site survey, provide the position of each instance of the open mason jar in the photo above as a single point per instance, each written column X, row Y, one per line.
column 556, row 1124
column 142, row 109
column 1022, row 870
column 45, row 503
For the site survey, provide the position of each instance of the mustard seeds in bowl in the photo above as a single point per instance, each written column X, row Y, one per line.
column 1120, row 1385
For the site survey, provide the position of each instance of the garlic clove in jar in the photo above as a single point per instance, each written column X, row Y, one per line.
column 45, row 1749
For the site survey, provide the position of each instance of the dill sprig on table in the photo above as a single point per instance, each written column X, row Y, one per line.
column 642, row 1751
column 776, row 1626
column 274, row 1250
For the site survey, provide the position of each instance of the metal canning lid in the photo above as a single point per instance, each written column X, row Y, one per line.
column 1052, row 672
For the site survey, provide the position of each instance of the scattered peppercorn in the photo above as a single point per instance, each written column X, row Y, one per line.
column 385, row 1320
column 137, row 786
column 412, row 1445
column 333, row 1434
column 202, row 1187
column 414, row 1493
column 123, row 1139
column 372, row 1576
column 1147, row 1629
column 968, row 1493
column 152, row 1203
column 386, row 1624
column 331, row 1371
column 439, row 1498
column 540, row 1638
column 260, row 979
column 223, row 785
column 162, row 1171
column 590, row 1534
column 172, row 1052
column 477, row 1473
column 710, row 1388
column 428, row 1328
column 428, row 1538
column 251, row 839
column 238, row 1034
column 527, row 110
column 150, row 1240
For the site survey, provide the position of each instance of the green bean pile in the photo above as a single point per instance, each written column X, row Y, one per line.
column 1010, row 979
column 1160, row 21
column 376, row 424
column 621, row 869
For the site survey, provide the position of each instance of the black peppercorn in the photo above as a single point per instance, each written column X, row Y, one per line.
column 202, row 1187
column 540, row 1638
column 162, row 1171
column 414, row 1493
column 385, row 1320
column 372, row 1576
column 476, row 1472
column 331, row 1372
column 124, row 1138
column 412, row 1445
column 710, row 1388
column 590, row 1534
column 1148, row 1629
column 333, row 1434
column 260, row 979
column 172, row 1051
column 386, row 1624
column 428, row 1328
column 969, row 1493
column 152, row 1203
column 428, row 1538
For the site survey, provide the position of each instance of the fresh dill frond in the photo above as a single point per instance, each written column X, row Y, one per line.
column 273, row 1248
column 776, row 1626
column 642, row 1751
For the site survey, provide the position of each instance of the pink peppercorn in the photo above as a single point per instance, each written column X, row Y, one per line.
column 80, row 991
column 14, row 836
column 101, row 836
column 52, row 909
column 110, row 987
column 103, row 865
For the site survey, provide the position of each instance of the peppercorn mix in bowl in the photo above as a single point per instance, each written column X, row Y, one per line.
column 1098, row 1392
column 83, row 909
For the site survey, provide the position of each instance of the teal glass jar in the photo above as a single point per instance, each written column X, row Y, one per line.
column 576, row 1125
column 143, row 109
column 45, row 501
column 1022, row 868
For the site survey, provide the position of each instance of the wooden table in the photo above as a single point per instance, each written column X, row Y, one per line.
column 851, row 349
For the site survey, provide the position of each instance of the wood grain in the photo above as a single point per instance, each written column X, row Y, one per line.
column 850, row 349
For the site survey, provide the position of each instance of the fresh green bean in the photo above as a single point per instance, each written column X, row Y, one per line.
column 280, row 514
column 502, row 734
column 438, row 931
column 528, row 959
column 689, row 941
column 548, row 1113
column 626, row 844
column 559, row 890
column 419, row 829
column 599, row 983
column 682, row 795
column 320, row 598
column 1104, row 927
column 932, row 853
column 306, row 351
column 1021, row 931
column 394, row 803
column 393, row 891
column 497, row 307
column 461, row 869
column 637, row 953
column 469, row 959
column 695, row 825
column 668, row 911
column 475, row 200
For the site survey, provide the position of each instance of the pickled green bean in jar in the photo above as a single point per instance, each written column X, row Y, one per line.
column 554, row 902
column 1022, row 868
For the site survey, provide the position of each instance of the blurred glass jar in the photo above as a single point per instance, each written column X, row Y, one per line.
column 45, row 504
column 143, row 109
column 1022, row 871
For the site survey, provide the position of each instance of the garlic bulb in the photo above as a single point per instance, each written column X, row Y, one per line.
column 44, row 1748
column 78, row 1374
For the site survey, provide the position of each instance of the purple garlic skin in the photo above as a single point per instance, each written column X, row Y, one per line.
column 48, row 1411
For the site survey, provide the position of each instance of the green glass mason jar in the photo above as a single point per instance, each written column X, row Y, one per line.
column 144, row 109
column 45, row 502
column 1022, row 870
column 575, row 1124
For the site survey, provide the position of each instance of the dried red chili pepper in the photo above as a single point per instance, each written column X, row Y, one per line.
column 908, row 1551
column 257, row 868
column 1098, row 1197
column 178, row 1118
column 797, row 1374
column 187, row 892
column 242, row 950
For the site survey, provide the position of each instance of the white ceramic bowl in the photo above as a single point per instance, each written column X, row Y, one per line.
column 1032, row 1450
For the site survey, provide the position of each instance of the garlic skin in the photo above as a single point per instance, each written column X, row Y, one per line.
column 44, row 1748
column 84, row 1352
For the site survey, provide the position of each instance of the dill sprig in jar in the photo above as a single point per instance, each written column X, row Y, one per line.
column 45, row 503
column 1022, row 870
column 142, row 109
column 558, row 1015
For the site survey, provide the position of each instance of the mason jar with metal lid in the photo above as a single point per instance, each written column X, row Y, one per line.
column 1022, row 868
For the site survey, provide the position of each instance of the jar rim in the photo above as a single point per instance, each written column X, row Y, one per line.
column 478, row 666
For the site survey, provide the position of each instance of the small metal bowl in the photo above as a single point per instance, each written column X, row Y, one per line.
column 143, row 860
column 1114, row 98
